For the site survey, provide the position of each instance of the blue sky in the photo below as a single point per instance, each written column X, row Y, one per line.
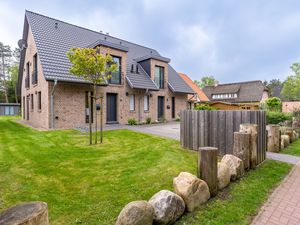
column 231, row 40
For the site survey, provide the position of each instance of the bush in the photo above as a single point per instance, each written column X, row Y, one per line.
column 132, row 121
column 274, row 104
column 148, row 120
column 204, row 107
column 277, row 117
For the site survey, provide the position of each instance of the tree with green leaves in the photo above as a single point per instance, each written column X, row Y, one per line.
column 94, row 65
column 206, row 81
column 14, row 73
column 274, row 104
column 291, row 86
column 5, row 60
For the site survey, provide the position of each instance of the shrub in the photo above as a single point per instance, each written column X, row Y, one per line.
column 277, row 117
column 148, row 120
column 132, row 121
column 204, row 106
column 274, row 104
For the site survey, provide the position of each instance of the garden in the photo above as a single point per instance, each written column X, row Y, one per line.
column 85, row 184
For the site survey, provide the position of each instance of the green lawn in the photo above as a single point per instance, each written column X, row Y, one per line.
column 292, row 149
column 85, row 184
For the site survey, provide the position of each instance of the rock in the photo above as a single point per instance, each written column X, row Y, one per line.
column 273, row 144
column 29, row 213
column 289, row 131
column 168, row 207
column 136, row 213
column 223, row 175
column 285, row 140
column 235, row 164
column 193, row 190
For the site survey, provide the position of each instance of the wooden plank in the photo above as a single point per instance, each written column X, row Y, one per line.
column 229, row 132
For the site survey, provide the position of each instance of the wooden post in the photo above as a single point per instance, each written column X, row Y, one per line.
column 273, row 138
column 251, row 129
column 241, row 147
column 90, row 117
column 208, row 166
column 31, row 213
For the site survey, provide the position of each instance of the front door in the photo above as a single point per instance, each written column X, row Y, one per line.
column 160, row 107
column 111, row 108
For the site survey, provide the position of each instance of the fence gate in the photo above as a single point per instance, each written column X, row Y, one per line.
column 200, row 128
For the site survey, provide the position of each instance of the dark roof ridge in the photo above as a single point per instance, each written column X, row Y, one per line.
column 27, row 11
column 242, row 82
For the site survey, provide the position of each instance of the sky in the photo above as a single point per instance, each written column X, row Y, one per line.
column 232, row 40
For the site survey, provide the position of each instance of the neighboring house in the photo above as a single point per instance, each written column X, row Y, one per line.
column 276, row 92
column 9, row 109
column 145, row 85
column 199, row 95
column 242, row 93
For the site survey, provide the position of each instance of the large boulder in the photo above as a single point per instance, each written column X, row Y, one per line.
column 285, row 140
column 223, row 175
column 168, row 207
column 136, row 213
column 235, row 164
column 193, row 190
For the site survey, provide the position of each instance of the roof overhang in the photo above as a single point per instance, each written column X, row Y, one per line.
column 152, row 56
column 108, row 44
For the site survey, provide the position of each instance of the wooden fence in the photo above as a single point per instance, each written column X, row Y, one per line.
column 200, row 128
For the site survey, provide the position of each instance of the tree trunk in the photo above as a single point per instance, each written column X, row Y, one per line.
column 90, row 117
column 16, row 96
column 95, row 111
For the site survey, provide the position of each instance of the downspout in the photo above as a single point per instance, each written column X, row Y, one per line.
column 52, row 105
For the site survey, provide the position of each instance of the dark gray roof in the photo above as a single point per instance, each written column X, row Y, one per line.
column 152, row 56
column 249, row 91
column 109, row 44
column 54, row 41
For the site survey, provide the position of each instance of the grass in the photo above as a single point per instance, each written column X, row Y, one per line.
column 85, row 184
column 292, row 149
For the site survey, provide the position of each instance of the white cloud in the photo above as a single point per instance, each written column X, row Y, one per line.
column 10, row 25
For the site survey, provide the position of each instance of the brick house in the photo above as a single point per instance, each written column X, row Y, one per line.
column 145, row 85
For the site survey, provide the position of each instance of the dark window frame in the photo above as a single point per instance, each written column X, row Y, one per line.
column 110, row 81
column 161, row 79
column 132, row 110
column 27, row 77
column 34, row 79
column 31, row 102
column 148, row 103
column 39, row 100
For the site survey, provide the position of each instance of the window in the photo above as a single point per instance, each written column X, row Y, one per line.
column 159, row 76
column 116, row 76
column 87, row 110
column 34, row 78
column 39, row 100
column 224, row 96
column 146, row 103
column 27, row 80
column 132, row 102
column 31, row 100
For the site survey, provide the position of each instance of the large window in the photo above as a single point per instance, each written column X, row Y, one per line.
column 224, row 96
column 132, row 102
column 27, row 79
column 34, row 78
column 39, row 100
column 116, row 76
column 146, row 103
column 159, row 76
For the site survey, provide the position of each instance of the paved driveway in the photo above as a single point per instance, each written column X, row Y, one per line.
column 169, row 130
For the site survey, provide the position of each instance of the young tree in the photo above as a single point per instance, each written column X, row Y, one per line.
column 14, row 73
column 206, row 81
column 291, row 86
column 93, row 65
column 5, row 60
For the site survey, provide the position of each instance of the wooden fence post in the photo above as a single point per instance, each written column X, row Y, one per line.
column 241, row 147
column 30, row 213
column 208, row 165
column 251, row 129
column 273, row 138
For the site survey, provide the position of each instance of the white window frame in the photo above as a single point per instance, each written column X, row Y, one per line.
column 132, row 102
column 146, row 103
